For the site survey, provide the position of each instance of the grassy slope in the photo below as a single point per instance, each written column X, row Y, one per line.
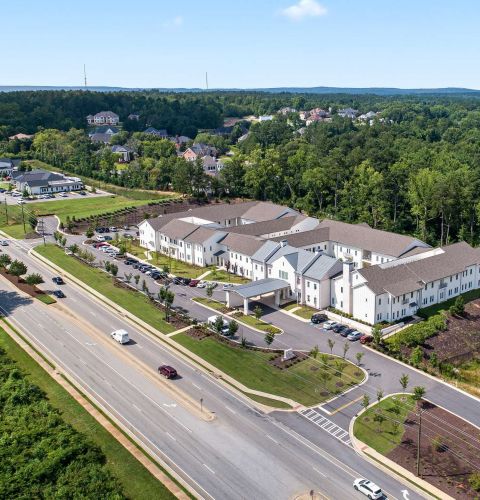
column 257, row 323
column 224, row 277
column 206, row 301
column 367, row 430
column 252, row 369
column 426, row 312
column 136, row 303
column 136, row 481
column 305, row 312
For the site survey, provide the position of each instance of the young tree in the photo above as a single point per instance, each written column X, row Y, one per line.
column 218, row 325
column 418, row 392
column 128, row 277
column 377, row 335
column 458, row 307
column 379, row 395
column 17, row 268
column 269, row 338
column 346, row 347
column 365, row 401
column 379, row 418
column 166, row 297
column 404, row 381
column 73, row 248
column 331, row 344
column 89, row 232
column 416, row 356
column 62, row 241
column 113, row 269
column 257, row 312
column 314, row 352
column 107, row 265
column 340, row 367
column 232, row 328
column 209, row 291
column 324, row 376
column 33, row 279
column 359, row 356
column 137, row 279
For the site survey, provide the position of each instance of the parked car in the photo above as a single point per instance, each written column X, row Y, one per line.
column 177, row 281
column 82, row 193
column 107, row 238
column 368, row 488
column 227, row 286
column 167, row 371
column 4, row 243
column 339, row 328
column 328, row 325
column 194, row 283
column 212, row 320
column 151, row 270
column 101, row 230
column 318, row 318
column 186, row 281
column 130, row 261
column 100, row 244
column 346, row 332
column 155, row 275
column 59, row 294
column 21, row 202
column 136, row 265
column 354, row 336
column 64, row 195
column 58, row 280
column 105, row 248
column 99, row 237
column 113, row 229
column 127, row 236
column 366, row 339
column 121, row 336
column 145, row 268
column 201, row 284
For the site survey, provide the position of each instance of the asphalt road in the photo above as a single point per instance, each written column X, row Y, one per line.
column 243, row 453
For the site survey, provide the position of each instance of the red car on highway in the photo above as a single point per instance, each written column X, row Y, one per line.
column 167, row 371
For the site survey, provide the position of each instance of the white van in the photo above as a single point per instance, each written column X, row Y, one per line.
column 121, row 336
column 211, row 322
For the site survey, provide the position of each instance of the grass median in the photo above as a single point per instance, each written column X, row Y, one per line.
column 259, row 324
column 134, row 302
column 308, row 382
column 213, row 304
column 136, row 481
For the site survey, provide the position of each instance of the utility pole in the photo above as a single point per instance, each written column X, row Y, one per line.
column 6, row 210
column 23, row 218
column 85, row 75
column 418, row 440
column 206, row 79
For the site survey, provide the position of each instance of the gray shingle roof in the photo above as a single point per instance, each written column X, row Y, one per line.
column 268, row 226
column 200, row 235
column 178, row 229
column 263, row 210
column 246, row 245
column 323, row 267
column 263, row 252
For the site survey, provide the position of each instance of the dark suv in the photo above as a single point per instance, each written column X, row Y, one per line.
column 58, row 280
column 347, row 332
column 318, row 318
column 167, row 371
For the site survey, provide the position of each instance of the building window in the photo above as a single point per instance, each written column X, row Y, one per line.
column 314, row 286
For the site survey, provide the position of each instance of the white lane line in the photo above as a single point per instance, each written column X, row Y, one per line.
column 321, row 473
column 230, row 410
column 92, row 313
column 82, row 361
column 170, row 436
column 271, row 439
column 195, row 385
column 208, row 468
column 136, row 407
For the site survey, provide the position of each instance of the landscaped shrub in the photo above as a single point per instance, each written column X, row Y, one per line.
column 417, row 334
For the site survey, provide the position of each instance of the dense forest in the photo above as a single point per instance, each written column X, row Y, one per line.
column 41, row 455
column 415, row 168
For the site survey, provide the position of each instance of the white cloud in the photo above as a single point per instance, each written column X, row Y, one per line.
column 304, row 8
column 173, row 23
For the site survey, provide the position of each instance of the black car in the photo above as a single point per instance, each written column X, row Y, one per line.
column 59, row 294
column 58, row 280
column 100, row 230
column 177, row 281
column 346, row 332
column 137, row 265
column 130, row 262
column 318, row 318
column 338, row 328
column 155, row 275
column 145, row 267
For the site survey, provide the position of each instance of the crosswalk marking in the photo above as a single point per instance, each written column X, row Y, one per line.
column 327, row 425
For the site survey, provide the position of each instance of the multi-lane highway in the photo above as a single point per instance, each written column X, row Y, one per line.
column 242, row 453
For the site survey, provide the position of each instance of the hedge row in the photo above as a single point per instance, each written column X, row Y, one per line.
column 417, row 334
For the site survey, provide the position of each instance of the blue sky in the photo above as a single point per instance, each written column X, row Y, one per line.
column 241, row 43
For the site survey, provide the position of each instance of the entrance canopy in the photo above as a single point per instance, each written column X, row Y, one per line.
column 260, row 287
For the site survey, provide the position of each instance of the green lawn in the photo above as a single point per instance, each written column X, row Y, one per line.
column 289, row 307
column 214, row 304
column 305, row 312
column 426, row 312
column 225, row 277
column 136, row 481
column 177, row 267
column 136, row 303
column 46, row 299
column 301, row 382
column 383, row 437
column 82, row 207
column 256, row 323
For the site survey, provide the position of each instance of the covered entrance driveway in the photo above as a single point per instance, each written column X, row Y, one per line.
column 244, row 293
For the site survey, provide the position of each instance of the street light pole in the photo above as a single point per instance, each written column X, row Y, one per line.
column 418, row 440
column 23, row 218
column 201, row 405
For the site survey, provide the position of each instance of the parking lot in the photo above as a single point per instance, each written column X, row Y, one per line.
column 13, row 197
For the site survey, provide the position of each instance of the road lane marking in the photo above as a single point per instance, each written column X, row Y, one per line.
column 170, row 436
column 136, row 407
column 230, row 410
column 321, row 473
column 195, row 385
column 346, row 405
column 327, row 425
column 208, row 468
column 271, row 438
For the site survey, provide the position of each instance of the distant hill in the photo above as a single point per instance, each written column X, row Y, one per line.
column 385, row 91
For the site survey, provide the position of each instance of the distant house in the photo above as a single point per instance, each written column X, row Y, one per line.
column 348, row 113
column 134, row 116
column 126, row 153
column 42, row 182
column 199, row 150
column 211, row 165
column 243, row 137
column 103, row 118
column 21, row 137
column 162, row 133
column 7, row 166
column 222, row 131
column 367, row 117
column 104, row 130
column 230, row 122
column 265, row 118
column 180, row 140
column 286, row 110
column 313, row 118
column 101, row 138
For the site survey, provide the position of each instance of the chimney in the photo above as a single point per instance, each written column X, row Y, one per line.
column 347, row 286
column 283, row 243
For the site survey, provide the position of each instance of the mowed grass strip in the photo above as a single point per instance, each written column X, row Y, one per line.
column 134, row 302
column 136, row 481
column 301, row 382
column 384, row 437
column 225, row 277
column 259, row 324
column 305, row 312
column 214, row 304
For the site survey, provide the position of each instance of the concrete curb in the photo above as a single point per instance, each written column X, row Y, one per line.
column 291, row 314
column 389, row 466
column 76, row 392
column 421, row 372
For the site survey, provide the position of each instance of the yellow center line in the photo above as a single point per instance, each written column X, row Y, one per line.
column 346, row 405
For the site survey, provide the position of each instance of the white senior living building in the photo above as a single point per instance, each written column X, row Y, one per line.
column 371, row 274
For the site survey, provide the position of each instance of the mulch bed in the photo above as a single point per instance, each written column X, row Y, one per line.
column 31, row 290
column 279, row 363
column 448, row 464
column 198, row 333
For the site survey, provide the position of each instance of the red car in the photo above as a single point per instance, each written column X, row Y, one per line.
column 98, row 245
column 167, row 371
column 366, row 339
column 194, row 283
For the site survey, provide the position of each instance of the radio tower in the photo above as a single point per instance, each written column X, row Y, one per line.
column 206, row 79
column 85, row 75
